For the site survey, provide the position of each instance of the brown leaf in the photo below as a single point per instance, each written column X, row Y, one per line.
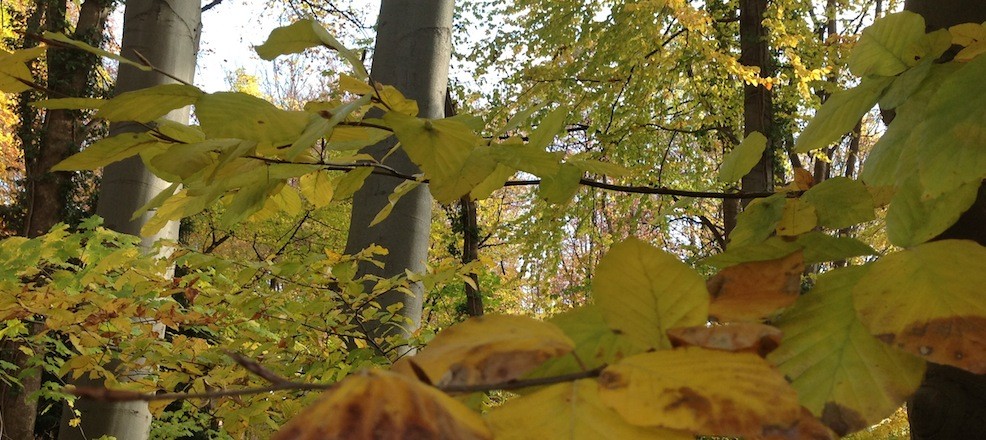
column 959, row 341
column 806, row 428
column 743, row 337
column 381, row 405
column 491, row 349
column 803, row 179
column 755, row 290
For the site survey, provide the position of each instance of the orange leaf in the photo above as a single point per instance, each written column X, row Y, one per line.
column 742, row 337
column 375, row 404
column 803, row 179
column 755, row 290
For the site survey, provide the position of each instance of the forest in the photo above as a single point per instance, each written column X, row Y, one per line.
column 493, row 219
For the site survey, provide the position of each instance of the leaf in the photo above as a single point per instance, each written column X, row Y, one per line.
column 840, row 113
column 317, row 188
column 523, row 157
column 146, row 105
column 560, row 188
column 361, row 405
column 242, row 116
column 820, row 247
column 490, row 349
column 571, row 411
column 769, row 249
column 157, row 201
column 843, row 374
column 596, row 344
column 700, row 391
column 840, row 202
column 442, row 148
column 302, row 35
column 553, row 123
column 247, row 201
column 347, row 184
column 927, row 301
column 967, row 33
column 69, row 103
column 882, row 47
column 402, row 189
column 758, row 221
column 108, row 150
column 755, row 290
column 643, row 291
column 14, row 70
column 906, row 85
column 736, row 337
column 743, row 158
column 319, row 127
column 912, row 220
column 949, row 141
column 500, row 175
column 599, row 167
column 474, row 172
column 61, row 38
column 797, row 218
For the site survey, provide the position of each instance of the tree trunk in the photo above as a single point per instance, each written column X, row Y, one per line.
column 70, row 73
column 758, row 110
column 412, row 53
column 951, row 403
column 166, row 33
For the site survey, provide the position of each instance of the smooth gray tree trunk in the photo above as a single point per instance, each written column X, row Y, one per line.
column 412, row 53
column 166, row 33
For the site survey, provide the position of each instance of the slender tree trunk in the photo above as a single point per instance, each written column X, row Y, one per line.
column 758, row 110
column 166, row 33
column 951, row 403
column 69, row 73
column 412, row 53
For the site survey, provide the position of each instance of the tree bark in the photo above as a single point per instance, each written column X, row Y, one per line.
column 951, row 403
column 412, row 53
column 166, row 33
column 70, row 73
column 758, row 110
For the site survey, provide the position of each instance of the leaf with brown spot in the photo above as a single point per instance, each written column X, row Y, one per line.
column 928, row 300
column 834, row 362
column 571, row 411
column 376, row 404
column 491, row 349
column 701, row 391
column 806, row 428
column 739, row 337
column 755, row 290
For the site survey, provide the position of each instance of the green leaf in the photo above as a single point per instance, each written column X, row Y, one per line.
column 317, row 188
column 553, row 123
column 798, row 217
column 820, row 247
column 146, row 105
column 302, row 35
column 442, row 148
column 905, row 85
column 319, row 127
column 912, row 219
column 884, row 47
column 107, row 151
column 598, row 167
column 69, row 103
column 572, row 411
column 185, row 160
column 643, row 291
column 596, row 344
column 560, row 188
column 402, row 189
column 474, row 172
column 769, row 249
column 157, row 201
column 347, row 184
column 743, row 158
column 928, row 301
column 59, row 37
column 500, row 175
column 949, row 141
column 526, row 158
column 843, row 374
column 758, row 221
column 248, row 200
column 840, row 113
column 242, row 116
column 840, row 202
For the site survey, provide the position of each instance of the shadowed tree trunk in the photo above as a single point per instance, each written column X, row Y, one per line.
column 757, row 100
column 69, row 73
column 951, row 403
column 412, row 53
column 166, row 33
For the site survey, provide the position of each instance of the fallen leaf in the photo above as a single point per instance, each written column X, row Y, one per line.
column 755, row 290
column 377, row 404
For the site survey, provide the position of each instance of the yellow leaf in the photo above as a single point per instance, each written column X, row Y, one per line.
column 491, row 349
column 379, row 404
column 755, row 290
column 317, row 188
column 643, row 291
column 797, row 218
column 701, row 391
column 571, row 411
column 402, row 189
column 347, row 184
